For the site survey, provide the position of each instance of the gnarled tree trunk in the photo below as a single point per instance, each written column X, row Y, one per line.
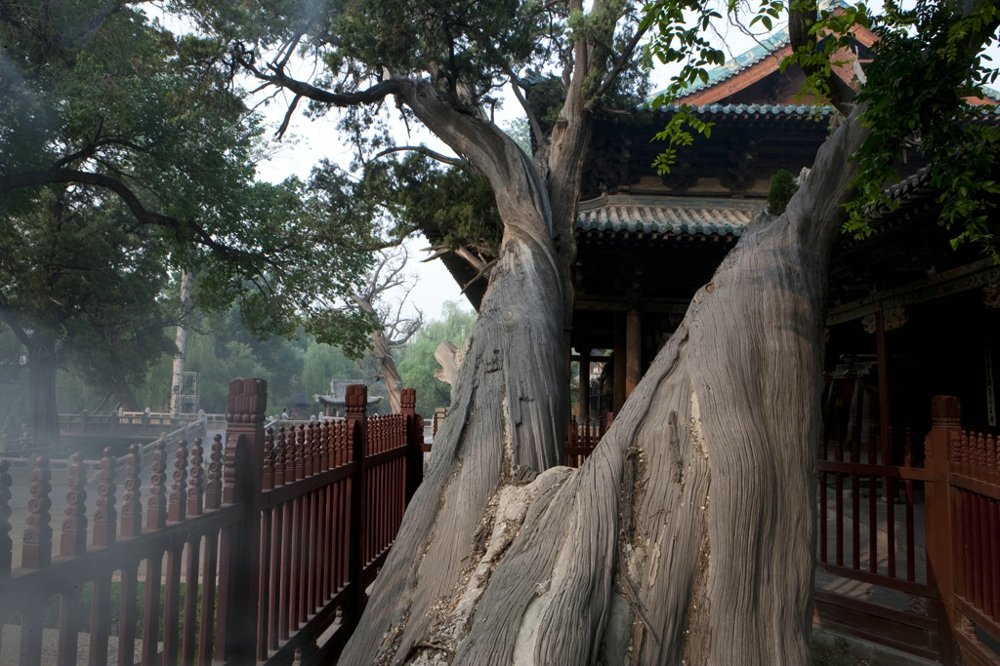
column 688, row 534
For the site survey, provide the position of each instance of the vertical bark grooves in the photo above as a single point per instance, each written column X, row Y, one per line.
column 514, row 361
column 688, row 533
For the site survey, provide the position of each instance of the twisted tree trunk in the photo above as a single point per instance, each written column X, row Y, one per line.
column 688, row 535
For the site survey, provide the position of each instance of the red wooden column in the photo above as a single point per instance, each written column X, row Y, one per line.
column 236, row 633
column 583, row 397
column 884, row 415
column 414, row 442
column 946, row 430
column 356, row 401
column 618, row 359
column 633, row 351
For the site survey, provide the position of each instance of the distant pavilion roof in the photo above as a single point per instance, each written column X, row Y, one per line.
column 670, row 217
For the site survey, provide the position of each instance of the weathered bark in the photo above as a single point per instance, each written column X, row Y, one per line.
column 688, row 534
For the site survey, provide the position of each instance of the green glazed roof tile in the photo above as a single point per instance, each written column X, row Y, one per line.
column 687, row 216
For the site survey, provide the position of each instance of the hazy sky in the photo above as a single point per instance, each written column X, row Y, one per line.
column 306, row 143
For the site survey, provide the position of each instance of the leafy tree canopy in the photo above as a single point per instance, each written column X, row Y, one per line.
column 100, row 102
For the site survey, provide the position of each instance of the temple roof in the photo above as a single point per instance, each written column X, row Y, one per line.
column 751, row 111
column 673, row 216
column 767, row 47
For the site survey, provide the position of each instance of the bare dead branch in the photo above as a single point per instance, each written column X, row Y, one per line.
column 288, row 117
column 424, row 150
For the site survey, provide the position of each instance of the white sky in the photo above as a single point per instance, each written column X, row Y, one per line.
column 308, row 141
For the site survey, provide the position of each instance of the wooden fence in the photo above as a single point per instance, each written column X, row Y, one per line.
column 254, row 549
column 919, row 544
column 583, row 437
column 965, row 566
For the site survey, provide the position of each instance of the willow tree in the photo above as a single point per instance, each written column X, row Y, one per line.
column 688, row 535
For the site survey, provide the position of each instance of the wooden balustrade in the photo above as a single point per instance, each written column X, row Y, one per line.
column 583, row 437
column 307, row 511
column 967, row 564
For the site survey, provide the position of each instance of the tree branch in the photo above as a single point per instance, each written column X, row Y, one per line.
column 39, row 178
column 424, row 150
column 288, row 117
column 536, row 128
column 620, row 63
column 277, row 77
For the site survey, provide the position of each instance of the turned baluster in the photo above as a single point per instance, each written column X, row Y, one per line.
column 73, row 541
column 267, row 476
column 300, row 452
column 290, row 454
column 177, row 505
column 213, row 484
column 105, row 517
column 156, row 505
column 6, row 543
column 196, row 480
column 131, row 498
column 36, row 549
column 309, row 432
column 280, row 449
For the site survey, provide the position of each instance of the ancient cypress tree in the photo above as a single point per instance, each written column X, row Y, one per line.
column 688, row 535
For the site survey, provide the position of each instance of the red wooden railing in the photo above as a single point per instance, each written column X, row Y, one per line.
column 966, row 566
column 945, row 568
column 307, row 513
column 583, row 437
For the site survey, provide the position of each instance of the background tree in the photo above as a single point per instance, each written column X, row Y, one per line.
column 79, row 293
column 383, row 282
column 132, row 143
column 417, row 364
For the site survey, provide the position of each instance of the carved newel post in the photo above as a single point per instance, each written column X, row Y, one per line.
column 944, row 437
column 357, row 429
column 242, row 474
column 414, row 441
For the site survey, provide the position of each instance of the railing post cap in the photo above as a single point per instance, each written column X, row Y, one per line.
column 356, row 397
column 247, row 400
column 946, row 410
column 408, row 400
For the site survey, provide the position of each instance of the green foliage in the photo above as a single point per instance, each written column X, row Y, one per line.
column 324, row 362
column 929, row 59
column 680, row 37
column 417, row 363
column 455, row 204
column 95, row 88
column 915, row 96
column 74, row 283
column 783, row 186
column 471, row 44
column 830, row 34
column 678, row 132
